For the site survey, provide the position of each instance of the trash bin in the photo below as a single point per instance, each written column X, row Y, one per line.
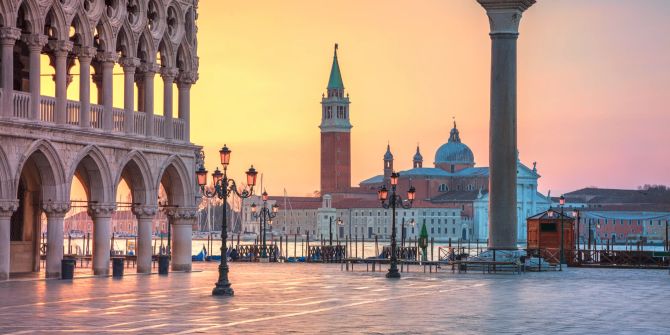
column 67, row 268
column 163, row 264
column 117, row 266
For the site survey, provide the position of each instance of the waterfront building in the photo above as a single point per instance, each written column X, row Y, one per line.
column 47, row 141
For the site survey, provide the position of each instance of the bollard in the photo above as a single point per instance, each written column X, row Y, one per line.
column 117, row 267
column 67, row 268
column 163, row 264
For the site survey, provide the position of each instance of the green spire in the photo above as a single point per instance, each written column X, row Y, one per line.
column 335, row 80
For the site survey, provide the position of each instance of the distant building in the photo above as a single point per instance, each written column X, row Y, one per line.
column 620, row 215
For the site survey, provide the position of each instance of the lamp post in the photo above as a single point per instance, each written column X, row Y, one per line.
column 394, row 202
column 222, row 188
column 575, row 214
column 264, row 215
column 561, row 202
column 338, row 222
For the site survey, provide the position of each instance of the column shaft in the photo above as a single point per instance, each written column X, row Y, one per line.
column 185, row 108
column 34, row 79
column 144, row 239
column 149, row 102
column 129, row 98
column 107, row 95
column 102, row 236
column 61, row 86
column 85, row 91
column 181, row 245
column 5, row 223
column 7, row 76
column 54, row 244
column 168, row 80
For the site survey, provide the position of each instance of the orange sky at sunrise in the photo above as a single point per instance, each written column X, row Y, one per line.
column 593, row 77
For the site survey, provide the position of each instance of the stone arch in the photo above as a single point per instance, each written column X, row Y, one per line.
column 103, row 40
column 136, row 170
column 26, row 15
column 6, row 181
column 175, row 177
column 55, row 25
column 146, row 51
column 166, row 53
column 93, row 170
column 48, row 165
column 125, row 44
column 184, row 58
column 83, row 31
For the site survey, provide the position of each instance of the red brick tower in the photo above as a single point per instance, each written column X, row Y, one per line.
column 335, row 135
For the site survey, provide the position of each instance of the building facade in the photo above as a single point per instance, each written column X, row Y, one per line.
column 47, row 141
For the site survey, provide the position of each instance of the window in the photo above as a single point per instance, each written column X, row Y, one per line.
column 453, row 231
column 439, row 231
column 432, row 230
column 443, row 188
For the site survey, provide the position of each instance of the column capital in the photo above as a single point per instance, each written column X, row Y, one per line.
column 106, row 57
column 505, row 15
column 60, row 48
column 150, row 68
column 55, row 208
column 101, row 210
column 182, row 213
column 9, row 35
column 129, row 63
column 85, row 53
column 187, row 78
column 145, row 211
column 169, row 74
column 8, row 207
column 35, row 41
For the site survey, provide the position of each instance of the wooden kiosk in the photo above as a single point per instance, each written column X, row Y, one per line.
column 544, row 234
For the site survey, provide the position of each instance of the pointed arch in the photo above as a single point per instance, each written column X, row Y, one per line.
column 176, row 178
column 104, row 37
column 26, row 16
column 136, row 170
column 92, row 166
column 184, row 59
column 83, row 30
column 125, row 43
column 146, row 50
column 6, row 181
column 166, row 52
column 50, row 168
column 55, row 25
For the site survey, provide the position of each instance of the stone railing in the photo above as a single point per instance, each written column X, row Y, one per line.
column 47, row 113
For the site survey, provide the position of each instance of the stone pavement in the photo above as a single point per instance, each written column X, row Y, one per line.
column 317, row 298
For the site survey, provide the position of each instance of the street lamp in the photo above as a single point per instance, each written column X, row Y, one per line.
column 575, row 214
column 338, row 222
column 393, row 202
column 561, row 202
column 266, row 214
column 223, row 187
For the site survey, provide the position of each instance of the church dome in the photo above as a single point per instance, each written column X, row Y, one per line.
column 454, row 152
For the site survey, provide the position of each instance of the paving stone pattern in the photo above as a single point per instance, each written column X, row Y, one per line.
column 316, row 298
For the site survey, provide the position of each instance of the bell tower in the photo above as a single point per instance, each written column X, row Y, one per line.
column 335, row 134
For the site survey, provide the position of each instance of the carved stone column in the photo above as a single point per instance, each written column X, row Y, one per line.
column 60, row 50
column 168, row 80
column 85, row 57
column 107, row 62
column 129, row 65
column 148, row 73
column 504, row 17
column 55, row 212
column 7, row 208
column 102, row 236
column 182, row 229
column 8, row 37
column 145, row 216
column 36, row 43
column 184, row 83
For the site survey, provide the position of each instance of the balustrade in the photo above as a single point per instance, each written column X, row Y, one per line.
column 47, row 110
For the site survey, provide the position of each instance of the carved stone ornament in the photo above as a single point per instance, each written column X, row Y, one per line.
column 101, row 210
column 144, row 211
column 55, row 208
column 7, row 207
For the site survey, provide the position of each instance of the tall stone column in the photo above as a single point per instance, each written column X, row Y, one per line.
column 182, row 229
column 8, row 37
column 7, row 208
column 60, row 50
column 145, row 216
column 148, row 73
column 85, row 56
column 55, row 212
column 184, row 87
column 102, row 236
column 504, row 17
column 168, row 80
column 129, row 65
column 107, row 64
column 35, row 44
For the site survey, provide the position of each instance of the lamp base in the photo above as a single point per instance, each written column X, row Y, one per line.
column 393, row 274
column 223, row 290
column 264, row 259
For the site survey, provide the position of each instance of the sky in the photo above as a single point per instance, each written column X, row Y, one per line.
column 593, row 77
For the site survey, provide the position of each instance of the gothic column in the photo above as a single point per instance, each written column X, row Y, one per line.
column 504, row 17
column 129, row 65
column 35, row 44
column 55, row 212
column 145, row 216
column 184, row 86
column 7, row 208
column 60, row 50
column 168, row 79
column 102, row 236
column 148, row 73
column 85, row 57
column 8, row 37
column 182, row 229
column 107, row 65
